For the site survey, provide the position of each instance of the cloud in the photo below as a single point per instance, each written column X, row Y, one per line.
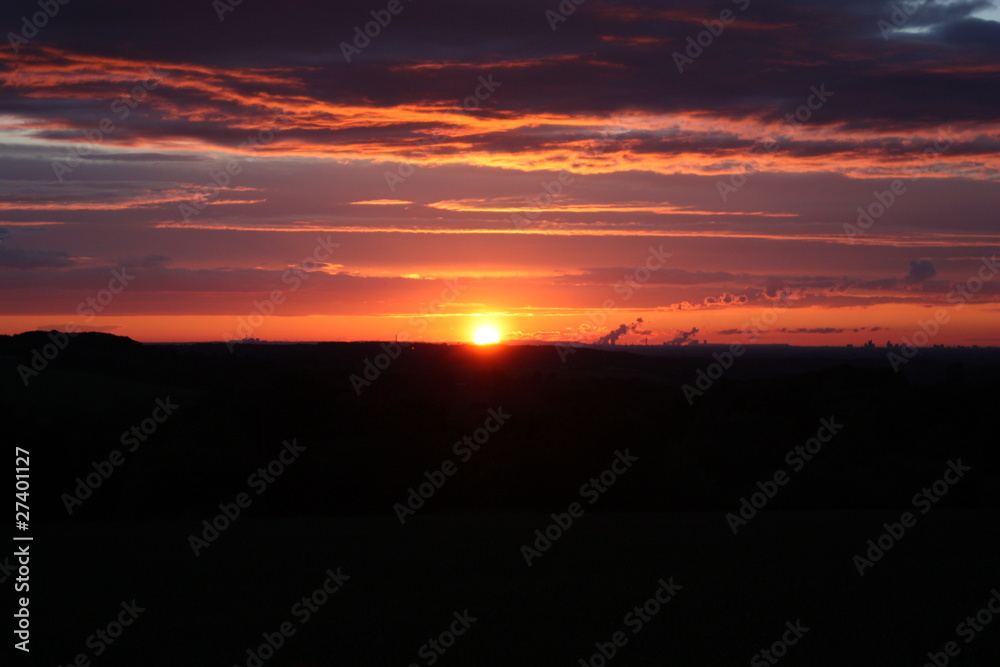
column 774, row 286
column 30, row 258
column 727, row 299
column 662, row 276
column 822, row 330
column 920, row 270
column 153, row 261
column 394, row 96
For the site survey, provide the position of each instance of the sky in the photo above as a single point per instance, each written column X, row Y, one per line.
column 203, row 171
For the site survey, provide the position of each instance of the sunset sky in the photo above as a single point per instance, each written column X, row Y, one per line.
column 688, row 185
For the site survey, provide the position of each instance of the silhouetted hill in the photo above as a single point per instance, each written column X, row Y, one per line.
column 85, row 340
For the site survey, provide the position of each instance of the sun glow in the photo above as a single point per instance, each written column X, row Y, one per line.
column 486, row 335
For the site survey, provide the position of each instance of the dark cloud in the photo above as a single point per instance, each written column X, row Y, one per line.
column 153, row 261
column 920, row 270
column 727, row 299
column 662, row 276
column 827, row 330
column 773, row 286
column 626, row 62
column 31, row 258
column 819, row 330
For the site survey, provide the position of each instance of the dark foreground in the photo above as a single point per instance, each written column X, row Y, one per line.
column 406, row 581
column 907, row 459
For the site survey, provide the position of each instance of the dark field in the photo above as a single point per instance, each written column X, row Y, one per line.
column 737, row 593
column 663, row 517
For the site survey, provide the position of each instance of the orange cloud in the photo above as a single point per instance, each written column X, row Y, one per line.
column 437, row 132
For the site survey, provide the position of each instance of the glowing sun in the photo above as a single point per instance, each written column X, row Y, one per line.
column 486, row 335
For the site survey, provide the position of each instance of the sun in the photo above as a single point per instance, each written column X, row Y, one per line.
column 486, row 335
